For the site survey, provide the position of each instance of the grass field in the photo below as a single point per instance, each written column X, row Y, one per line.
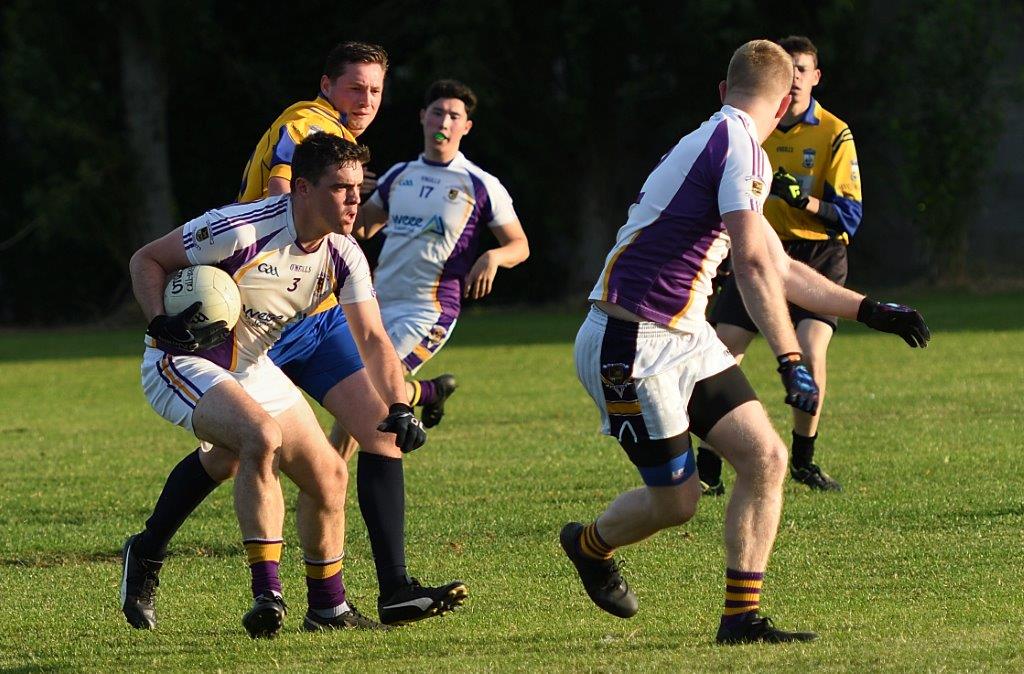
column 916, row 566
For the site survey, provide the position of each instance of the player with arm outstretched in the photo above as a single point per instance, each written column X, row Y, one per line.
column 324, row 355
column 656, row 370
column 434, row 211
column 236, row 401
column 815, row 207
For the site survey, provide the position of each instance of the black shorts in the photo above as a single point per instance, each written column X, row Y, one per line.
column 828, row 258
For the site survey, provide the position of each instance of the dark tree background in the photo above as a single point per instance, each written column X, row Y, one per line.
column 121, row 119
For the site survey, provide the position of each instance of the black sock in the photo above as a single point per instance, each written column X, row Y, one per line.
column 381, row 486
column 186, row 487
column 709, row 466
column 803, row 450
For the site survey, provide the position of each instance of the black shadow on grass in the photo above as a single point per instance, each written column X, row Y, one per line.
column 50, row 560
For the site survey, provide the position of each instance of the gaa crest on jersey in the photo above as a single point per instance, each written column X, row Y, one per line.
column 202, row 234
column 755, row 187
column 616, row 376
column 436, row 335
column 809, row 157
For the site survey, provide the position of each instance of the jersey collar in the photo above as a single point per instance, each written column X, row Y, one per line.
column 455, row 160
column 747, row 120
column 321, row 102
column 809, row 116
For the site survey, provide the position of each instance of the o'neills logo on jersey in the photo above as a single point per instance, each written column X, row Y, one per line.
column 260, row 318
column 305, row 269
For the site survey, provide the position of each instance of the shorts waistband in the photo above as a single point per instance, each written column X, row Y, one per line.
column 619, row 326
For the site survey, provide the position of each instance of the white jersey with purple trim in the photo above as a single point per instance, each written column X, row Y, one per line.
column 436, row 214
column 670, row 247
column 280, row 282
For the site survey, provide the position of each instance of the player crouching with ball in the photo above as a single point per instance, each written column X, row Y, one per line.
column 287, row 254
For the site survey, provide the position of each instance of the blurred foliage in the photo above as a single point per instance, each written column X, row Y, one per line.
column 578, row 102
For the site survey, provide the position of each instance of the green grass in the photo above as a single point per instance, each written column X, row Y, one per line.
column 916, row 566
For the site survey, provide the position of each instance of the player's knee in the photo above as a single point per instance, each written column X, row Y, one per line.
column 335, row 486
column 680, row 509
column 261, row 442
column 765, row 462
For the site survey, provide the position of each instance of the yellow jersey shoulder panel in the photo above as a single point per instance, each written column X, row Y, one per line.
column 272, row 157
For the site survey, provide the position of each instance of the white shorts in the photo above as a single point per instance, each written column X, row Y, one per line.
column 174, row 384
column 417, row 331
column 641, row 375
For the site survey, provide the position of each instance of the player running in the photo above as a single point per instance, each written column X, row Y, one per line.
column 222, row 386
column 657, row 371
column 434, row 210
column 320, row 355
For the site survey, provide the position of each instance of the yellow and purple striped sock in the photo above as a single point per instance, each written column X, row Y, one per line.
column 742, row 594
column 325, row 587
column 592, row 545
column 264, row 560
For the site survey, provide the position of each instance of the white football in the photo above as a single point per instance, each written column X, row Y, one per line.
column 213, row 287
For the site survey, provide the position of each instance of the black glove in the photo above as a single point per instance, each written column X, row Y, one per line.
column 895, row 318
column 174, row 331
column 801, row 391
column 786, row 187
column 408, row 430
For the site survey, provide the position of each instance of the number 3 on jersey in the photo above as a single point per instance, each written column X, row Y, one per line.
column 295, row 284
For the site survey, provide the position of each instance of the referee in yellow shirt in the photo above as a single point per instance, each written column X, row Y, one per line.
column 815, row 207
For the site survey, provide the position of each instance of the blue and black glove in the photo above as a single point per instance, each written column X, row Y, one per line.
column 895, row 318
column 174, row 332
column 408, row 430
column 786, row 187
column 801, row 391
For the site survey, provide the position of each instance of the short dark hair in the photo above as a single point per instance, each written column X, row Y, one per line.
column 799, row 44
column 451, row 89
column 353, row 52
column 319, row 151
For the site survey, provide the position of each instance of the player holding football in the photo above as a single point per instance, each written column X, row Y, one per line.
column 222, row 386
column 434, row 210
column 320, row 355
column 815, row 207
column 657, row 371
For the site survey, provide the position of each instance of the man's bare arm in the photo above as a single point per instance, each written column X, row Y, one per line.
column 150, row 266
column 758, row 272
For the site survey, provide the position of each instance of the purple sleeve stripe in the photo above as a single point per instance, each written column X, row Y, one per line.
column 257, row 215
column 341, row 270
column 384, row 188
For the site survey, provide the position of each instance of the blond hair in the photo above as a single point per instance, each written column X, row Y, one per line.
column 760, row 68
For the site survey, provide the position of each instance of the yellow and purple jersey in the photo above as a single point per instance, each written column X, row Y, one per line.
column 280, row 281
column 819, row 151
column 666, row 254
column 272, row 157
